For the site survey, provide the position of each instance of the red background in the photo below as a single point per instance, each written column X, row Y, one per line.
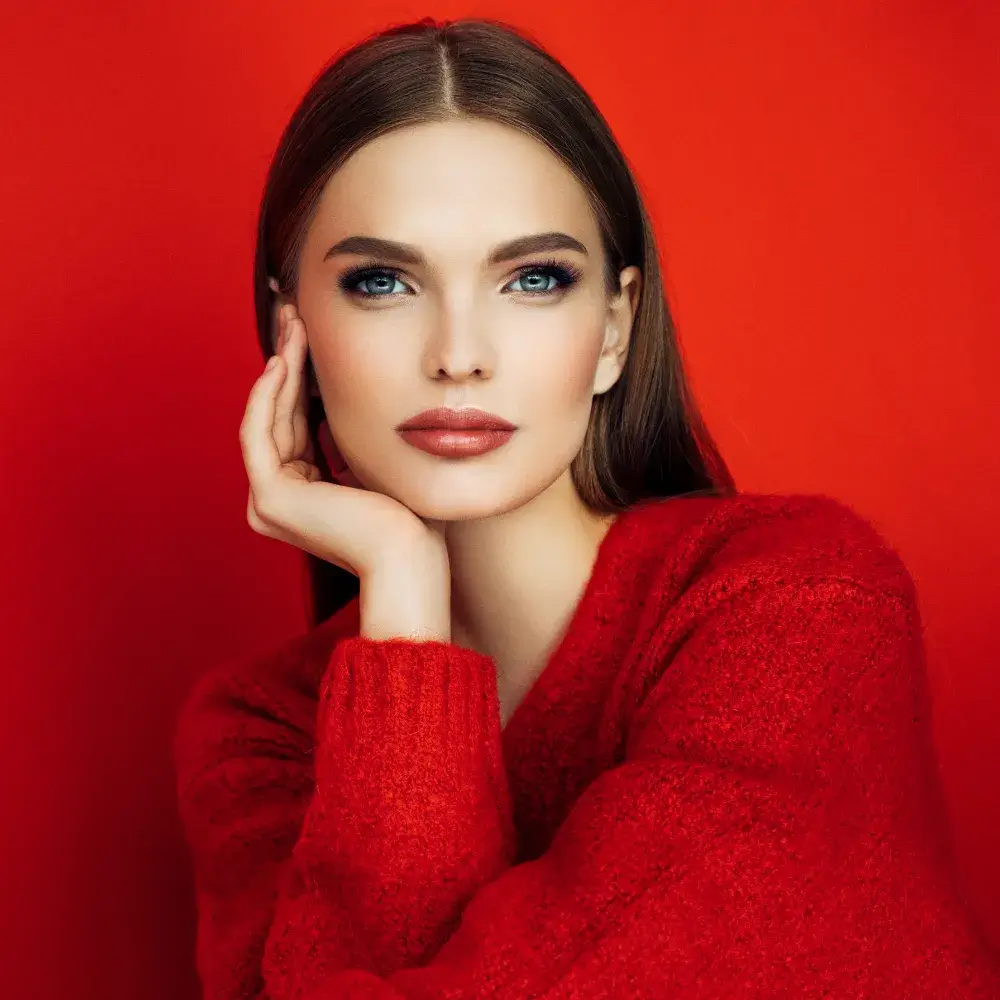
column 824, row 184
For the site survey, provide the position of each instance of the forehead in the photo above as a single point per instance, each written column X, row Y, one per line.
column 462, row 180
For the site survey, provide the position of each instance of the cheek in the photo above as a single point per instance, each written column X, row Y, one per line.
column 544, row 374
column 358, row 384
column 558, row 377
column 349, row 371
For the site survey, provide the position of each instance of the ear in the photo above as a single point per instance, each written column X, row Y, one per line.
column 618, row 330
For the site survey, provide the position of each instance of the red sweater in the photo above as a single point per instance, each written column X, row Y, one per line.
column 720, row 786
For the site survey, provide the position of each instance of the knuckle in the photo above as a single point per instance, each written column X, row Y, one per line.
column 259, row 525
column 266, row 508
column 253, row 517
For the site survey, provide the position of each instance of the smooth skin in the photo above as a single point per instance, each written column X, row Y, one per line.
column 491, row 552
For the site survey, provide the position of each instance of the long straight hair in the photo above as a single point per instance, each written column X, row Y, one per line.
column 646, row 439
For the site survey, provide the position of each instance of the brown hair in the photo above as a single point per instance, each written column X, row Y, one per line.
column 646, row 439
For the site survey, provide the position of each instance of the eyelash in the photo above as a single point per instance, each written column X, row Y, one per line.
column 565, row 274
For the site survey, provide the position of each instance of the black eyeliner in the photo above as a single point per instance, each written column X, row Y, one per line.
column 565, row 273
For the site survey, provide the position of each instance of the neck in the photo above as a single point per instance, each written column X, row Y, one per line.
column 516, row 578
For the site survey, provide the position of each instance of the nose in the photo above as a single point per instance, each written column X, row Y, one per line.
column 458, row 350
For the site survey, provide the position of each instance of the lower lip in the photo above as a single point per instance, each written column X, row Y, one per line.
column 456, row 444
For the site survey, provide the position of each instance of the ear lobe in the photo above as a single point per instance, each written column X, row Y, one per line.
column 618, row 330
column 611, row 361
column 609, row 369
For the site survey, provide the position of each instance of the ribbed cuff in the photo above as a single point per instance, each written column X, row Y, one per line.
column 434, row 695
column 409, row 750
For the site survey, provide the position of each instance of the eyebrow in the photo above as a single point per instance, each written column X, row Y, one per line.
column 404, row 253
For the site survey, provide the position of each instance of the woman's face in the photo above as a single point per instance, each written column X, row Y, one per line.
column 451, row 327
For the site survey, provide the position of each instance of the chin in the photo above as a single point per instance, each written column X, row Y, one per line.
column 477, row 488
column 474, row 507
column 466, row 497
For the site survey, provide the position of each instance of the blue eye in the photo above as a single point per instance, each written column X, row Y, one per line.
column 564, row 276
column 535, row 280
column 377, row 280
column 533, row 276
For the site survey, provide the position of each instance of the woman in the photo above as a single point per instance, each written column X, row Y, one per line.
column 573, row 718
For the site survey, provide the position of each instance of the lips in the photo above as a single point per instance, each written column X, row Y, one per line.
column 450, row 433
column 444, row 418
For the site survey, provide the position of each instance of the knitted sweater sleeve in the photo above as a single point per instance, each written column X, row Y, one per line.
column 765, row 832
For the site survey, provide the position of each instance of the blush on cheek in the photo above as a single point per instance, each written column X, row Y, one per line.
column 577, row 370
column 343, row 372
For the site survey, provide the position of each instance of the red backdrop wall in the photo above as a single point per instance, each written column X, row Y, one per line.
column 824, row 183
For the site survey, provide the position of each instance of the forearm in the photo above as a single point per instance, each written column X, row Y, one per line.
column 411, row 813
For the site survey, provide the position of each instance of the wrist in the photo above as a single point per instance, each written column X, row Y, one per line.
column 409, row 600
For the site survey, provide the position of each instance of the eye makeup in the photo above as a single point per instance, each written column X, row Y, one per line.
column 564, row 273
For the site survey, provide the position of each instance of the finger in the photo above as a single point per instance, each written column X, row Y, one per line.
column 276, row 316
column 300, row 417
column 291, row 427
column 298, row 353
column 287, row 399
column 260, row 454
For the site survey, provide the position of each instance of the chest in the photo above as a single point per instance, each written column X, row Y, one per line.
column 510, row 696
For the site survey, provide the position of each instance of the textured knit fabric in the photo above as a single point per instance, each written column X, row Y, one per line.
column 720, row 786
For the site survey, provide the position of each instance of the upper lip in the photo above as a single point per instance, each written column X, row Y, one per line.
column 445, row 418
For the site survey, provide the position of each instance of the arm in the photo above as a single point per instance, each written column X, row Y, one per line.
column 411, row 814
column 764, row 833
column 355, row 843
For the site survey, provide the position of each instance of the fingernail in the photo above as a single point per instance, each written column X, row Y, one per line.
column 271, row 361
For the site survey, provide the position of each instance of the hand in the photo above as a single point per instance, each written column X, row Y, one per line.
column 357, row 529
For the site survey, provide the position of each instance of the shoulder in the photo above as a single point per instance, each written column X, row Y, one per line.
column 766, row 536
column 782, row 621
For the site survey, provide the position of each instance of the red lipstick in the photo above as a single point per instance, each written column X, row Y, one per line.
column 452, row 433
